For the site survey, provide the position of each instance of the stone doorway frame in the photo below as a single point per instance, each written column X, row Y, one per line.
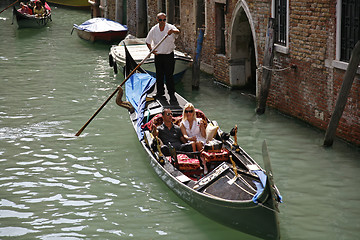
column 243, row 55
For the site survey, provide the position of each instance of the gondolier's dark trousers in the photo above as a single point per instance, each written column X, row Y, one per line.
column 165, row 64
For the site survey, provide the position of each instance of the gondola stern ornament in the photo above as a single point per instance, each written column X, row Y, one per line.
column 231, row 181
column 235, row 147
column 121, row 103
column 161, row 159
column 173, row 155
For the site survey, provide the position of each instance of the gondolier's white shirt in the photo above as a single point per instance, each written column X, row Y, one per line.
column 155, row 35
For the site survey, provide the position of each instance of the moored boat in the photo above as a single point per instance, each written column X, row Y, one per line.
column 31, row 21
column 236, row 191
column 138, row 51
column 71, row 3
column 101, row 29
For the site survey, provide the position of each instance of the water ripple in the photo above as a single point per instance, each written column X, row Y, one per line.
column 15, row 231
column 72, row 236
column 14, row 214
column 7, row 203
column 116, row 232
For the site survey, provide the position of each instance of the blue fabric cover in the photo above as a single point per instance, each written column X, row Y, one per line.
column 259, row 186
column 136, row 88
column 101, row 25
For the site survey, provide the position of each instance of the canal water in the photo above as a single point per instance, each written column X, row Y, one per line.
column 100, row 185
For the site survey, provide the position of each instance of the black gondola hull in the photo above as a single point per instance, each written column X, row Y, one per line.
column 30, row 21
column 245, row 216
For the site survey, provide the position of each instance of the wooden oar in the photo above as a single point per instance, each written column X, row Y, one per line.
column 117, row 89
column 9, row 6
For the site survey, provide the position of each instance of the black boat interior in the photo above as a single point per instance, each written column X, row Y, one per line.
column 230, row 175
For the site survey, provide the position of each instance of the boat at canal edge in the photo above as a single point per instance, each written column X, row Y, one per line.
column 237, row 192
column 101, row 29
column 71, row 3
column 30, row 21
column 138, row 50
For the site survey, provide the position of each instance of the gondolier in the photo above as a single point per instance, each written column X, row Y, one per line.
column 164, row 54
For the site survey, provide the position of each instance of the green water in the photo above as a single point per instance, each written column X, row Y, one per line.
column 100, row 185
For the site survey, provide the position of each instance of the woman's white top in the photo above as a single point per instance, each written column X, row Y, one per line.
column 194, row 130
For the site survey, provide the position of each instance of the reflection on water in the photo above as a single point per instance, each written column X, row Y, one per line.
column 54, row 185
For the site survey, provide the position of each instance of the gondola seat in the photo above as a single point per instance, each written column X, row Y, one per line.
column 213, row 145
column 215, row 156
column 185, row 163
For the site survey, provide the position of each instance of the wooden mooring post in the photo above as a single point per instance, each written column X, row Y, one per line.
column 267, row 63
column 343, row 95
column 196, row 63
column 95, row 8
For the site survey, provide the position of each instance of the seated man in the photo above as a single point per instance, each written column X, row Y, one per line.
column 25, row 9
column 170, row 133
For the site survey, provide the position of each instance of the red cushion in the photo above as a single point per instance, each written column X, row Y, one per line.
column 215, row 156
column 200, row 114
column 157, row 120
column 186, row 163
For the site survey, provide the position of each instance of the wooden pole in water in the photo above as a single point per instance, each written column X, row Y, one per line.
column 95, row 8
column 343, row 95
column 196, row 63
column 267, row 63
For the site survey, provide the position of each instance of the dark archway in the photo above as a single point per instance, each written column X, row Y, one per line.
column 242, row 63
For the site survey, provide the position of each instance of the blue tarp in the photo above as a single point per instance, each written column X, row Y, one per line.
column 136, row 89
column 260, row 186
column 101, row 25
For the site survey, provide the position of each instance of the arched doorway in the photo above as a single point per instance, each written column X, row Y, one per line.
column 242, row 63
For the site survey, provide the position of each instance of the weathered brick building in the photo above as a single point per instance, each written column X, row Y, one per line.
column 313, row 43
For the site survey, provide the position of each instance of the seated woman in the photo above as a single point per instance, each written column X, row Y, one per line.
column 193, row 129
column 46, row 6
column 39, row 10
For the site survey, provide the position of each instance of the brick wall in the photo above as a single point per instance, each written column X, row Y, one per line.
column 152, row 13
column 310, row 92
column 111, row 8
column 131, row 17
column 188, row 37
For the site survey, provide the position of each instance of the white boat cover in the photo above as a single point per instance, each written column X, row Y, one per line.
column 101, row 25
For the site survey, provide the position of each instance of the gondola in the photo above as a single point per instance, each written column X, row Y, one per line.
column 101, row 29
column 236, row 191
column 30, row 21
column 138, row 50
